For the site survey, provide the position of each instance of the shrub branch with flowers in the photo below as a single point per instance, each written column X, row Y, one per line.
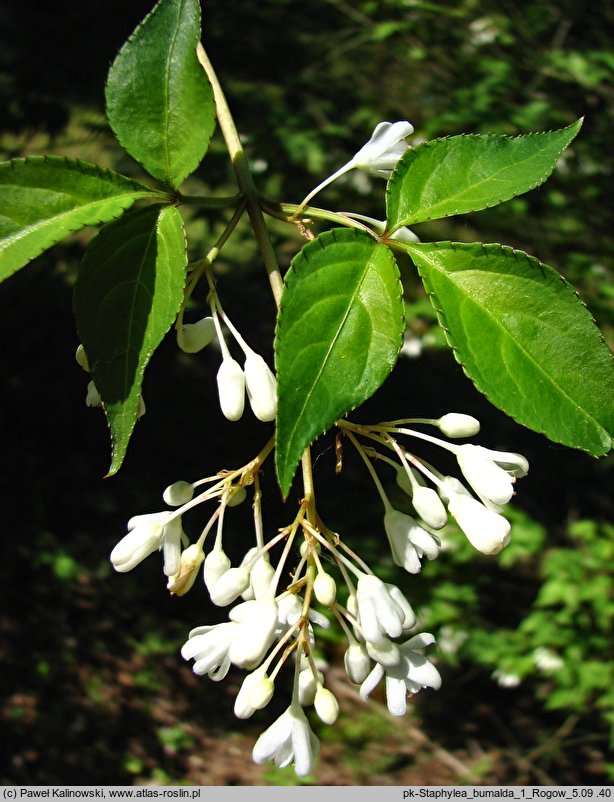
column 517, row 328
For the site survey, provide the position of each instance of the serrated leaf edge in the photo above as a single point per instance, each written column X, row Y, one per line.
column 396, row 174
column 442, row 322
column 126, row 201
column 167, row 178
column 333, row 234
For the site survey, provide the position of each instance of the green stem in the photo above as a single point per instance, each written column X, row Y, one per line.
column 287, row 212
column 209, row 203
column 244, row 177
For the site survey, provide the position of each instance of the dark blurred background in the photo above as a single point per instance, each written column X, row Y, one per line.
column 93, row 689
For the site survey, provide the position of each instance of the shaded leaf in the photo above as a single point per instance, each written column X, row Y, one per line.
column 159, row 100
column 524, row 338
column 339, row 333
column 127, row 295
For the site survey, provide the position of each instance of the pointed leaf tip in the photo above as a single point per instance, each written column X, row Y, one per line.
column 339, row 333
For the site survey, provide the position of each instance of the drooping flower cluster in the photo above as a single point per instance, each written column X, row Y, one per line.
column 272, row 618
column 272, row 598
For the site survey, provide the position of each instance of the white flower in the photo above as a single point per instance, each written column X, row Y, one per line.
column 378, row 156
column 325, row 589
column 257, row 625
column 385, row 652
column 139, row 543
column 382, row 609
column 308, row 684
column 381, row 153
column 193, row 337
column 146, row 534
column 411, row 673
column 260, row 578
column 229, row 586
column 486, row 530
column 216, row 565
column 178, row 493
column 326, row 705
column 171, row 546
column 181, row 582
column 261, row 387
column 457, row 424
column 288, row 739
column 255, row 693
column 408, row 541
column 210, row 646
column 491, row 473
column 231, row 388
column 429, row 507
column 357, row 662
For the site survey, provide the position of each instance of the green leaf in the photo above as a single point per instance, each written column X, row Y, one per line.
column 524, row 338
column 159, row 100
column 466, row 173
column 127, row 295
column 45, row 198
column 339, row 333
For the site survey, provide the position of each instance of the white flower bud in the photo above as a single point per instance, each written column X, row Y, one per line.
column 261, row 577
column 357, row 662
column 289, row 611
column 325, row 589
column 216, row 565
column 182, row 581
column 255, row 693
column 81, row 358
column 92, row 399
column 308, row 685
column 487, row 531
column 483, row 474
column 171, row 546
column 140, row 542
column 379, row 613
column 231, row 389
column 193, row 337
column 429, row 507
column 457, row 424
column 229, row 586
column 451, row 485
column 178, row 493
column 326, row 705
column 261, row 387
column 381, row 153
